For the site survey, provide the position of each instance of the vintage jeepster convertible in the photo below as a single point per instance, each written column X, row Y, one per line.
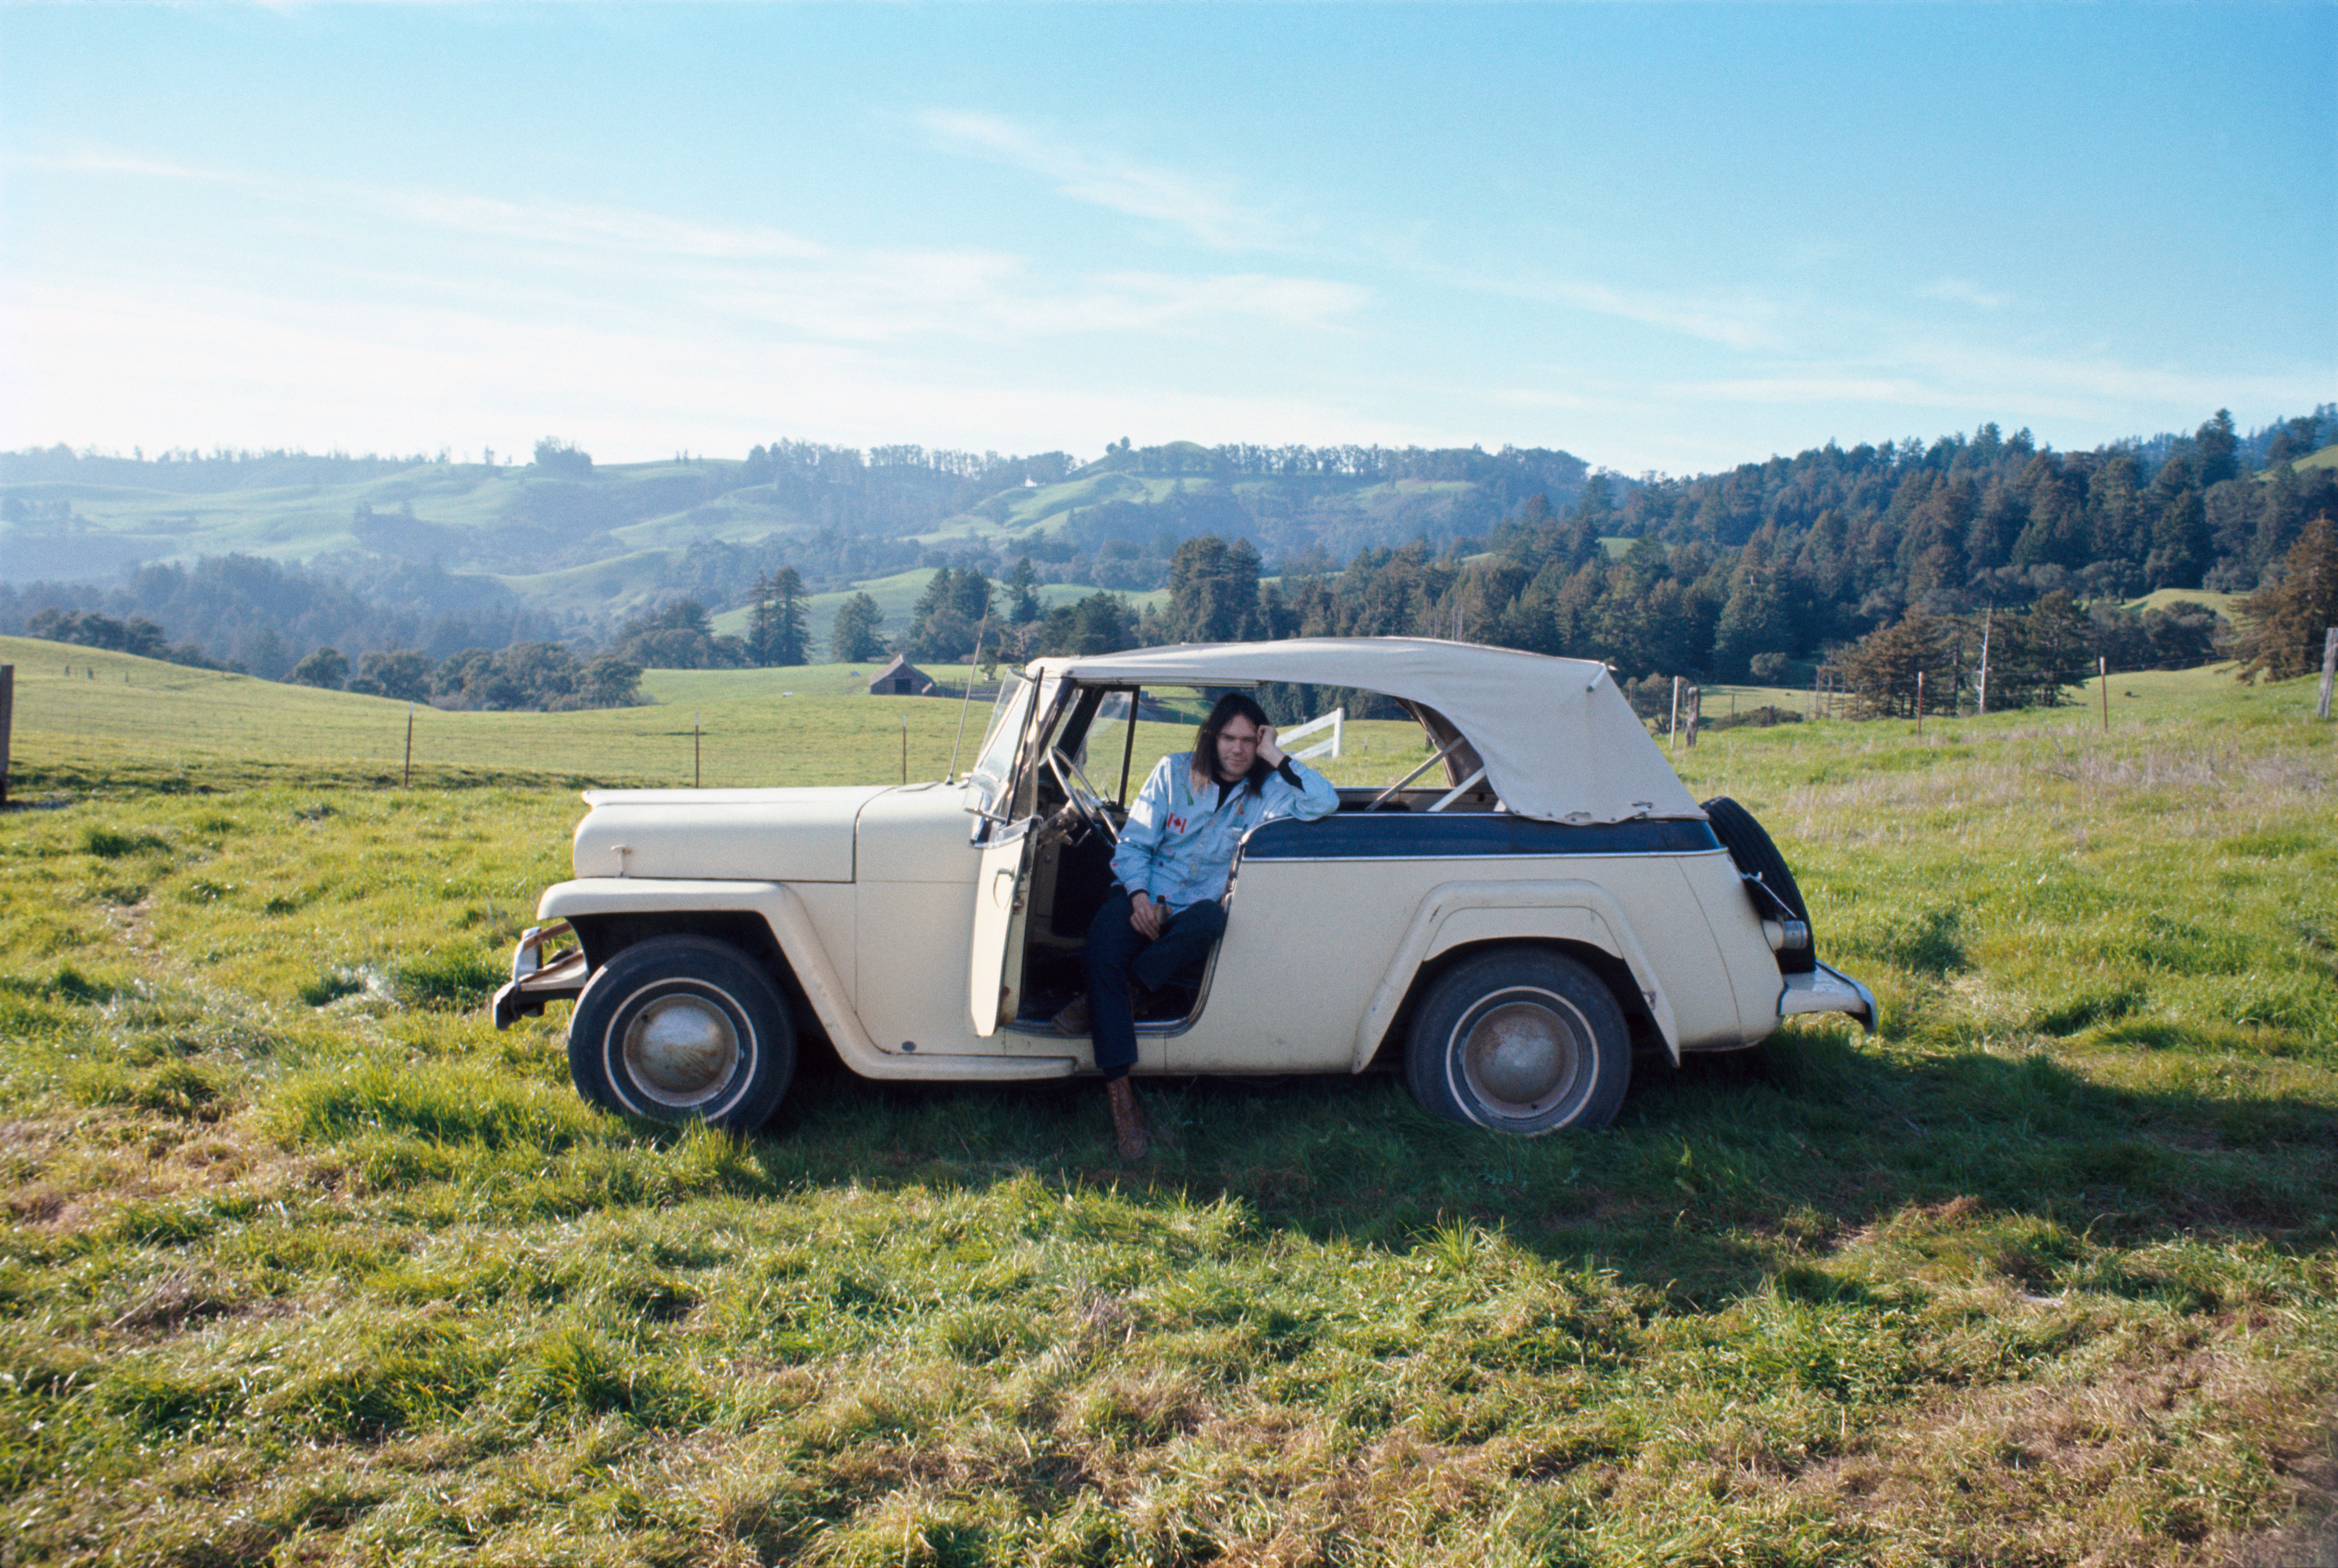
column 1540, row 898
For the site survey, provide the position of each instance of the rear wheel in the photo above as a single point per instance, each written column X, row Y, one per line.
column 1519, row 1040
column 682, row 1029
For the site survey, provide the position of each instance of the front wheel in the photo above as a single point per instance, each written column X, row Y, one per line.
column 1519, row 1040
column 682, row 1029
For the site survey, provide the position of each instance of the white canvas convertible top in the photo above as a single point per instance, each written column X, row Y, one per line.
column 1559, row 740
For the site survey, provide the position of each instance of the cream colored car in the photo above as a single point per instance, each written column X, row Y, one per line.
column 1540, row 897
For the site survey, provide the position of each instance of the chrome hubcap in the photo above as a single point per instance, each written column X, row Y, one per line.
column 682, row 1049
column 1520, row 1057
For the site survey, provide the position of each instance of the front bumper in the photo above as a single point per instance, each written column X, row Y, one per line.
column 1827, row 990
column 534, row 982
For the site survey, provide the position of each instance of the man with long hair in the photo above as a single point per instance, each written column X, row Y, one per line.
column 1176, row 852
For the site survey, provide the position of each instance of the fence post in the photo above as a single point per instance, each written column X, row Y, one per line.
column 2103, row 669
column 1673, row 736
column 408, row 782
column 2321, row 711
column 1919, row 702
column 8, row 711
column 1981, row 687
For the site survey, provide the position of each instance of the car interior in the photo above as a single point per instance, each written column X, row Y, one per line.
column 1104, row 744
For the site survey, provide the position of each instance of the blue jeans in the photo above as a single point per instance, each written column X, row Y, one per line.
column 1118, row 952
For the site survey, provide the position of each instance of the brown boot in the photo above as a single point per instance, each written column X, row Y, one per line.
column 1073, row 1019
column 1127, row 1121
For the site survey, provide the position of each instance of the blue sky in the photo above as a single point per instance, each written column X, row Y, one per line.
column 1661, row 237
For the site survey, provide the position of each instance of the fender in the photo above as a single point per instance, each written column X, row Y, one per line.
column 798, row 943
column 1454, row 913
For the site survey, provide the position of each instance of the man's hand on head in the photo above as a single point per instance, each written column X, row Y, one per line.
column 1269, row 748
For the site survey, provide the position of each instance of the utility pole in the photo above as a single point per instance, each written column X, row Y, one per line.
column 8, row 713
column 696, row 776
column 408, row 782
column 2103, row 669
column 2321, row 711
column 1919, row 702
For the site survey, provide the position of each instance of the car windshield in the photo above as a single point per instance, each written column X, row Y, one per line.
column 993, row 763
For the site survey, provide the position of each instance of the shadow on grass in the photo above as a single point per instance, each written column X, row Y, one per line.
column 1717, row 1175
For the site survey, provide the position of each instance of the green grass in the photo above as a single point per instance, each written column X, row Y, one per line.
column 119, row 717
column 305, row 1262
column 2161, row 598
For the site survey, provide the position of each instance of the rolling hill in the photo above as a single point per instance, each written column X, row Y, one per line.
column 605, row 539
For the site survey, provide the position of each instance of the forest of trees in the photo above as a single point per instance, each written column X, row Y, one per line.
column 1907, row 555
column 241, row 612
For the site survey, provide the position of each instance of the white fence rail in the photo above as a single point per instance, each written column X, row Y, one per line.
column 1336, row 721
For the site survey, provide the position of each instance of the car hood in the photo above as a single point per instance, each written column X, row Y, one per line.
column 720, row 835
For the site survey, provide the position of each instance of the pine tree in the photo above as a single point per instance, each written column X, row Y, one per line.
column 2180, row 544
column 786, row 643
column 1756, row 620
column 762, row 625
column 853, row 638
column 1213, row 590
column 1024, row 582
column 2219, row 449
column 2285, row 621
column 1881, row 670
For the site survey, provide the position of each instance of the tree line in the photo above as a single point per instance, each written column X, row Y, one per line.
column 1751, row 574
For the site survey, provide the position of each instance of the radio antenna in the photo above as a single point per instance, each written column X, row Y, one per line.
column 972, row 666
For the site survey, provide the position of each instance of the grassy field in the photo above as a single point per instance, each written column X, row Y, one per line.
column 304, row 1262
column 119, row 716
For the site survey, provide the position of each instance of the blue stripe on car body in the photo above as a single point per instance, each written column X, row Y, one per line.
column 1468, row 836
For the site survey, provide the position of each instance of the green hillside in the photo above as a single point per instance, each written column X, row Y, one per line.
column 607, row 538
column 896, row 595
column 2161, row 598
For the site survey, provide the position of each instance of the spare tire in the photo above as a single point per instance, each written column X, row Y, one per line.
column 1755, row 856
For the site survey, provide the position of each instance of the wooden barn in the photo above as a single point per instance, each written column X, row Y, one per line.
column 901, row 679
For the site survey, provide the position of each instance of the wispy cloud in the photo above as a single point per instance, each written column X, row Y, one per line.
column 1965, row 291
column 1740, row 318
column 206, row 365
column 599, row 228
column 1743, row 322
column 1955, row 378
column 547, row 259
column 1204, row 208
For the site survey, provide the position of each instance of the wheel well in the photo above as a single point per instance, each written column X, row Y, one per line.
column 606, row 936
column 1611, row 971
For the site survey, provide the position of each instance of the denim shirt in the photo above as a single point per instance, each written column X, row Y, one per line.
column 1179, row 846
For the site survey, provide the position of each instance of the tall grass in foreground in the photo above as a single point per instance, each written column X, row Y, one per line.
column 305, row 1262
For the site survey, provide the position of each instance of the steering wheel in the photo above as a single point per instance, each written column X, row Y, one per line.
column 1080, row 794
